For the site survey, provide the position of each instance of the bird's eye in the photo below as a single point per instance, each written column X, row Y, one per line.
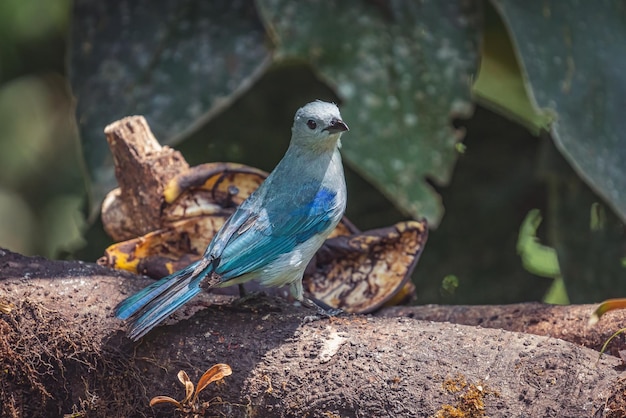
column 311, row 124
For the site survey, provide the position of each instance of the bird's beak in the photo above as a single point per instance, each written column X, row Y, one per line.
column 336, row 126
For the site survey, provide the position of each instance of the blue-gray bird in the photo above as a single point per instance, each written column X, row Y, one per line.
column 273, row 234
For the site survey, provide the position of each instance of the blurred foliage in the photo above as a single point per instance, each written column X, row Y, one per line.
column 557, row 293
column 449, row 284
column 32, row 36
column 540, row 259
column 493, row 188
column 536, row 258
column 589, row 254
column 40, row 178
column 227, row 77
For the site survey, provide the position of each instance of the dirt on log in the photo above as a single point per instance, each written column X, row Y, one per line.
column 63, row 353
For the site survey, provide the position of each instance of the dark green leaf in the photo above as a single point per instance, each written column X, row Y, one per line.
column 572, row 53
column 402, row 70
column 175, row 62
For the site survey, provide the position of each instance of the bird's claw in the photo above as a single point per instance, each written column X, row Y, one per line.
column 322, row 310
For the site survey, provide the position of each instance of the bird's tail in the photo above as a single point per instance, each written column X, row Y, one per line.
column 156, row 302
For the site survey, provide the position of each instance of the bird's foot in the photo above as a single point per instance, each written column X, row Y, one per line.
column 245, row 297
column 322, row 310
column 242, row 291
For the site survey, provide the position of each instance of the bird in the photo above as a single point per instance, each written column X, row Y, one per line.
column 271, row 237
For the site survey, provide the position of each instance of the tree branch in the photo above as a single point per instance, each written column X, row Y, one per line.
column 62, row 351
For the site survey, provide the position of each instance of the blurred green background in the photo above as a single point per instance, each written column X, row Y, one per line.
column 41, row 183
column 510, row 146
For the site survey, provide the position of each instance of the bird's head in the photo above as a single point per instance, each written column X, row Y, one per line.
column 318, row 124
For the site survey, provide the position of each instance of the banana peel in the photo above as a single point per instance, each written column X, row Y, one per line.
column 355, row 271
column 229, row 183
column 359, row 273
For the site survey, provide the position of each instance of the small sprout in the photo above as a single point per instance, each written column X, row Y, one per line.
column 606, row 343
column 449, row 285
column 166, row 399
column 190, row 404
column 597, row 217
column 214, row 374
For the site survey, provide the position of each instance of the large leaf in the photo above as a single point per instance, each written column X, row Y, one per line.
column 572, row 54
column 402, row 71
column 175, row 62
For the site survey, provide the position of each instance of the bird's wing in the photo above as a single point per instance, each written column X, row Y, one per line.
column 266, row 234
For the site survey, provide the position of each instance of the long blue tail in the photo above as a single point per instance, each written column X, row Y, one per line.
column 150, row 306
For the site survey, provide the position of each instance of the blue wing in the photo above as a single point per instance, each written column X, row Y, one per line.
column 262, row 238
column 248, row 241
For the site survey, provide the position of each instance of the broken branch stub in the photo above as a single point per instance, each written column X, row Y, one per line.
column 142, row 168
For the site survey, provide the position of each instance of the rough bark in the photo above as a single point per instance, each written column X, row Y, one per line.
column 565, row 322
column 62, row 351
column 142, row 168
